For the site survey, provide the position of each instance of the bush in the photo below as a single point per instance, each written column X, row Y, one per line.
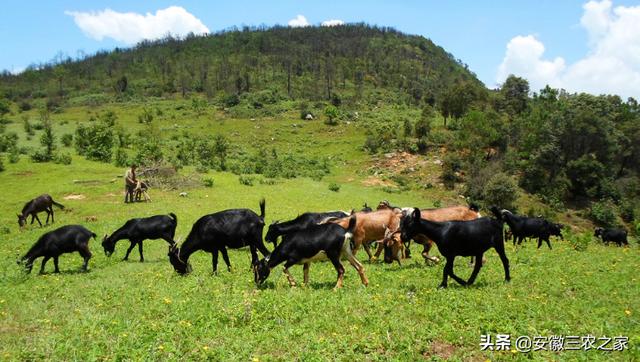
column 580, row 242
column 332, row 114
column 67, row 139
column 40, row 156
column 501, row 191
column 231, row 100
column 28, row 128
column 14, row 155
column 62, row 158
column 245, row 180
column 603, row 213
column 334, row 187
column 207, row 182
column 25, row 106
column 146, row 116
column 627, row 211
column 451, row 166
column 121, row 158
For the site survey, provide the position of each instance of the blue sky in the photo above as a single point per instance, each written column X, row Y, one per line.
column 475, row 32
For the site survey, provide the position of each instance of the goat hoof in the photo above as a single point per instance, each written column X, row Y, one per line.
column 441, row 286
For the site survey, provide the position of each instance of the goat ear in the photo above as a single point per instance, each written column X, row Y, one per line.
column 416, row 213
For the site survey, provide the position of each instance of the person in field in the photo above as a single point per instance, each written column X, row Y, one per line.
column 130, row 183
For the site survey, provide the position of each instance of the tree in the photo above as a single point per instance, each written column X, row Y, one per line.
column 5, row 107
column 515, row 95
column 456, row 101
column 332, row 114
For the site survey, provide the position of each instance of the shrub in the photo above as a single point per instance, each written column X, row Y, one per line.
column 95, row 141
column 14, row 155
column 332, row 114
column 231, row 100
column 245, row 180
column 451, row 166
column 501, row 191
column 62, row 158
column 603, row 213
column 627, row 211
column 334, row 187
column 580, row 242
column 146, row 116
column 25, row 106
column 207, row 182
column 121, row 158
column 67, row 139
column 40, row 156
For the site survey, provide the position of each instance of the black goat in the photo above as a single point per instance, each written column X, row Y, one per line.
column 299, row 223
column 618, row 236
column 315, row 243
column 460, row 238
column 137, row 230
column 66, row 239
column 536, row 227
column 215, row 233
column 41, row 203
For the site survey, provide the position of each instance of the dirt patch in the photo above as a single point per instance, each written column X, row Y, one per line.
column 91, row 218
column 440, row 349
column 111, row 194
column 375, row 181
column 75, row 197
column 24, row 173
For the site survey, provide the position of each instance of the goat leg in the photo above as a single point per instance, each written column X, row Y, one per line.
column 305, row 269
column 44, row 261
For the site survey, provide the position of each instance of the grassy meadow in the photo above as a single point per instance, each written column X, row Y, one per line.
column 145, row 311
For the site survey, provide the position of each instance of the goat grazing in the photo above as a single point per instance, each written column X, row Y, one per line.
column 315, row 243
column 536, row 227
column 618, row 236
column 140, row 229
column 52, row 244
column 299, row 223
column 41, row 203
column 216, row 232
column 460, row 238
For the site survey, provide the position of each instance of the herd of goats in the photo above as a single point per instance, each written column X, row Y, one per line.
column 310, row 237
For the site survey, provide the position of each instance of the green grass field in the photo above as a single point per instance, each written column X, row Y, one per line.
column 145, row 311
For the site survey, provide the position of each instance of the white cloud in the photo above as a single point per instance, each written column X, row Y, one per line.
column 130, row 28
column 332, row 22
column 298, row 21
column 611, row 66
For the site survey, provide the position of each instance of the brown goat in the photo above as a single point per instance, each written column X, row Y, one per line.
column 451, row 213
column 370, row 226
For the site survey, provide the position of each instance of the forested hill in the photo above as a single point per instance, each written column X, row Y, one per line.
column 299, row 63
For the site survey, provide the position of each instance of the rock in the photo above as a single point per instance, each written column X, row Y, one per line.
column 309, row 117
column 437, row 162
column 183, row 194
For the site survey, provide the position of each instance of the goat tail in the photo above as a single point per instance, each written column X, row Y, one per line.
column 174, row 217
column 496, row 212
column 57, row 204
column 262, row 208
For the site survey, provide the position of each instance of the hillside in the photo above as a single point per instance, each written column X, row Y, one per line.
column 311, row 63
